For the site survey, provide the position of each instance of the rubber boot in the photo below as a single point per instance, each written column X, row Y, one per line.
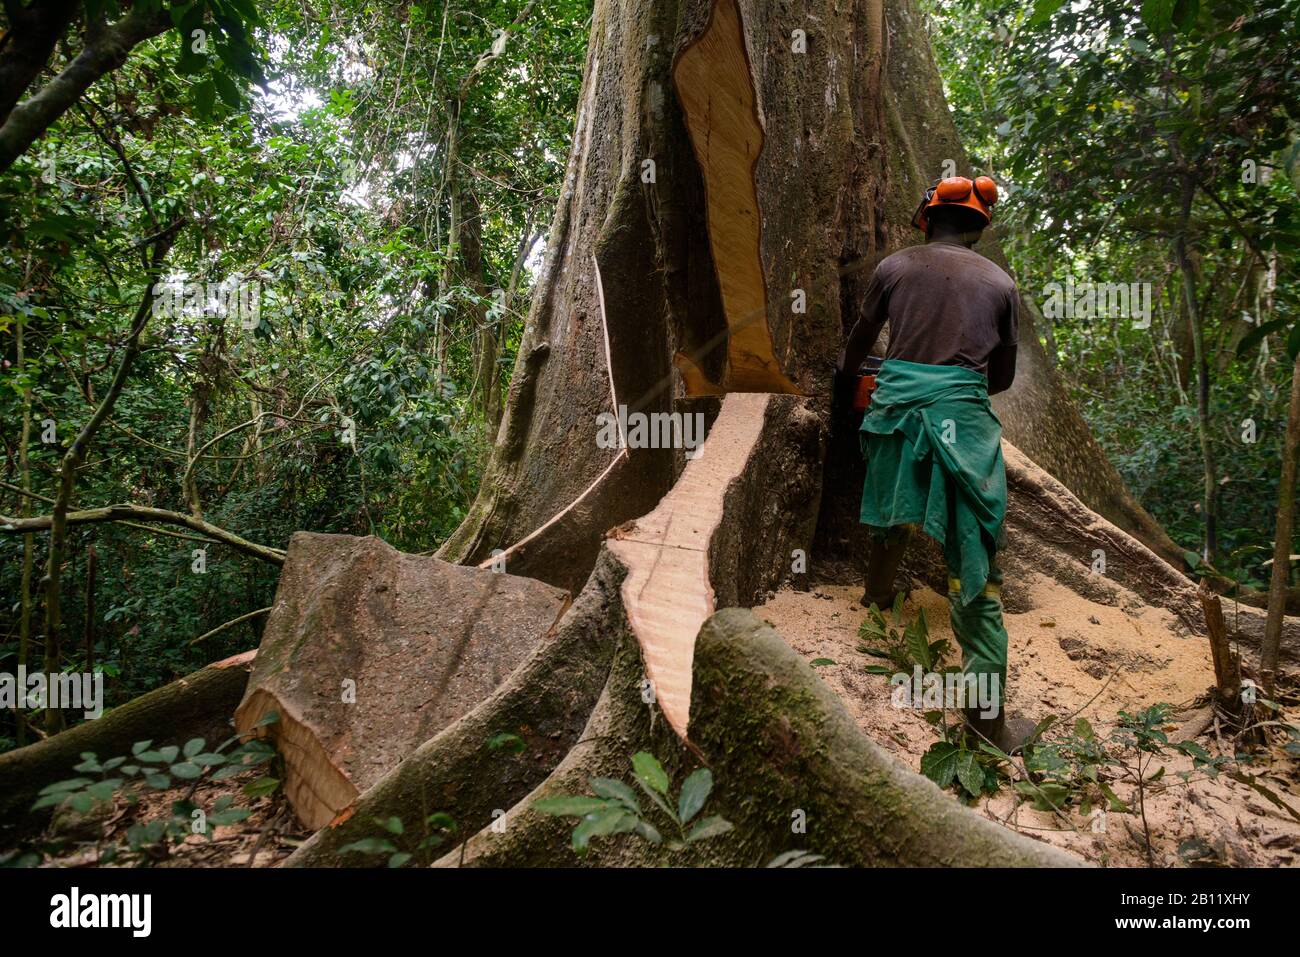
column 1007, row 734
column 884, row 555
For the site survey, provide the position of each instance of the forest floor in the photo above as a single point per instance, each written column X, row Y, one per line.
column 1072, row 657
column 263, row 839
column 1069, row 657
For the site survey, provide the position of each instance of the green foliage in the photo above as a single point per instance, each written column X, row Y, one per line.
column 1080, row 768
column 905, row 647
column 505, row 741
column 1077, row 769
column 305, row 153
column 954, row 760
column 437, row 828
column 147, row 768
column 973, row 770
column 614, row 808
column 1094, row 118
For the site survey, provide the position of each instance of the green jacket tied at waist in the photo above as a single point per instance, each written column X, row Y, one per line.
column 934, row 458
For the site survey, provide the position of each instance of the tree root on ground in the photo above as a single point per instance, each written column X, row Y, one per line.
column 188, row 707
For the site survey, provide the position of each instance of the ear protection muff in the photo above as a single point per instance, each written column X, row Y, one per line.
column 953, row 189
column 979, row 196
column 987, row 189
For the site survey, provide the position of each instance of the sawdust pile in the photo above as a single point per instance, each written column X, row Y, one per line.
column 1069, row 657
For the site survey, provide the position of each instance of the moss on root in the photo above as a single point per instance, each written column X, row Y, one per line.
column 778, row 742
column 784, row 749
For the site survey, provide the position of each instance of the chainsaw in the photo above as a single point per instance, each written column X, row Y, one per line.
column 866, row 383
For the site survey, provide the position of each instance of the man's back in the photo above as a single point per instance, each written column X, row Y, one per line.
column 946, row 305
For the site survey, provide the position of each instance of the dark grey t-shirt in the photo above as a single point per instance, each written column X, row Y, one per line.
column 946, row 305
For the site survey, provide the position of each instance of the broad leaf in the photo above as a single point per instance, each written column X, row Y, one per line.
column 615, row 820
column 969, row 773
column 647, row 767
column 695, row 791
column 368, row 845
column 939, row 764
column 707, row 828
column 616, row 790
column 571, row 806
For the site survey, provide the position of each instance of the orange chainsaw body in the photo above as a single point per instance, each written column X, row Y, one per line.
column 862, row 394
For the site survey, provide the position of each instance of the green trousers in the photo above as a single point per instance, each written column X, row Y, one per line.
column 977, row 624
column 933, row 450
column 981, row 633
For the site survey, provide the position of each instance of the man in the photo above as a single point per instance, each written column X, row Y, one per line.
column 930, row 438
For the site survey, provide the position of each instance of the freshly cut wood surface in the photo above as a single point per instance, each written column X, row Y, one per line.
column 667, row 592
column 716, row 89
column 368, row 653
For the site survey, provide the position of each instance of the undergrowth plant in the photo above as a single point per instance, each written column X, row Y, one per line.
column 437, row 828
column 955, row 760
column 959, row 760
column 614, row 808
column 1076, row 770
column 904, row 646
column 100, row 783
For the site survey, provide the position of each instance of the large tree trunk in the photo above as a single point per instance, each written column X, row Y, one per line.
column 852, row 130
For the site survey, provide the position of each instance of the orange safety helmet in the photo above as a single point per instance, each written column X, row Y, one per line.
column 958, row 191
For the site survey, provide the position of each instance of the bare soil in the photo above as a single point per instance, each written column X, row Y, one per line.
column 1069, row 657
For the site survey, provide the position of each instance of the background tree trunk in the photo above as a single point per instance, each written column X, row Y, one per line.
column 1281, row 577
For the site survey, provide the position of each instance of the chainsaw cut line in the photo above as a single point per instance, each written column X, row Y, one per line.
column 668, row 592
column 623, row 451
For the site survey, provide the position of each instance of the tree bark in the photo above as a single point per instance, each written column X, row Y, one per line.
column 1281, row 577
column 88, row 623
column 106, row 50
column 1210, row 492
column 143, row 513
column 75, row 456
column 30, row 38
column 858, row 806
column 1227, row 671
column 854, row 129
column 24, row 509
column 367, row 653
column 487, row 389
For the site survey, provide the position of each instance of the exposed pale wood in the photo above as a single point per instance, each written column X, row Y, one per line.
column 667, row 592
column 419, row 642
column 697, row 383
column 716, row 88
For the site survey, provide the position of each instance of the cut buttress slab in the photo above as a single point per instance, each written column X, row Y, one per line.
column 667, row 592
column 715, row 85
column 420, row 642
